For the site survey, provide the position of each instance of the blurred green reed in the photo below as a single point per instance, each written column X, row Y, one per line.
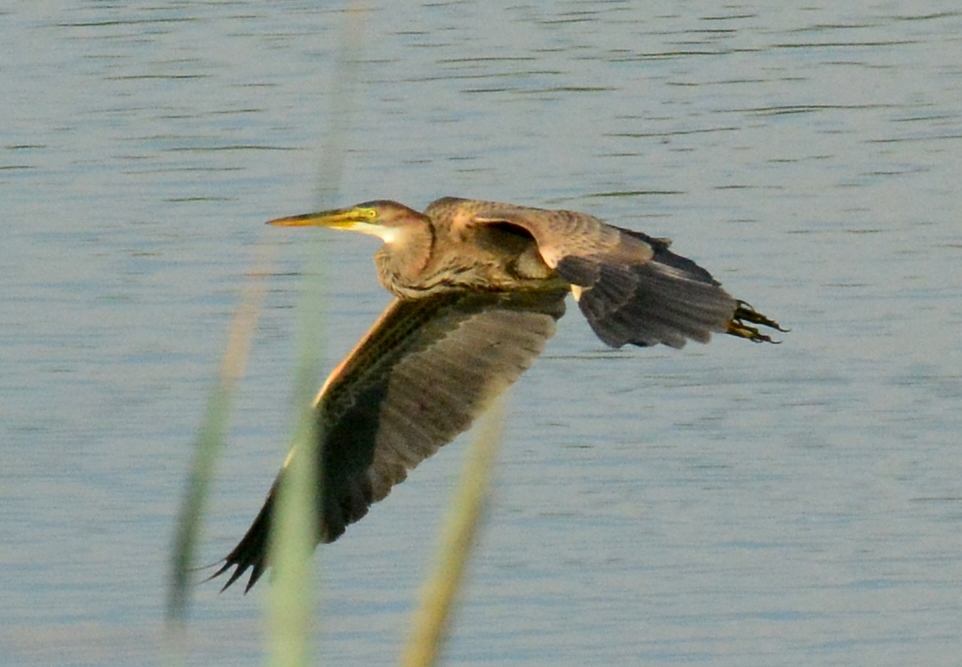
column 291, row 599
column 432, row 619
column 209, row 443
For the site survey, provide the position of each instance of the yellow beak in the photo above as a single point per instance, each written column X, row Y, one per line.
column 357, row 219
column 342, row 218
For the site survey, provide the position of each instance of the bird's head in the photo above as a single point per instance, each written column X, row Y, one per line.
column 385, row 219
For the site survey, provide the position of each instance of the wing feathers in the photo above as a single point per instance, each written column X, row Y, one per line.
column 422, row 374
column 630, row 286
column 647, row 304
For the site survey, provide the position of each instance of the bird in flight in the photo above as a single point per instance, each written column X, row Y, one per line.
column 478, row 288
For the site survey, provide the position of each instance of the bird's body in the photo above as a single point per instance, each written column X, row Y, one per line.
column 478, row 289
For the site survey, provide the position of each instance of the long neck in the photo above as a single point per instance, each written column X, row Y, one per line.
column 401, row 263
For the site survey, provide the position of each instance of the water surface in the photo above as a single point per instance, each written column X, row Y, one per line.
column 723, row 505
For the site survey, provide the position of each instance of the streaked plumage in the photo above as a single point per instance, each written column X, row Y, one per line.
column 478, row 289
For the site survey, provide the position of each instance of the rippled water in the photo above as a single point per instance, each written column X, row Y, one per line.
column 725, row 505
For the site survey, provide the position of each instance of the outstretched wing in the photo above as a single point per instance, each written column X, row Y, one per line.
column 630, row 286
column 416, row 380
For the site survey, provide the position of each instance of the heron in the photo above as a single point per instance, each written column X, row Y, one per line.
column 478, row 288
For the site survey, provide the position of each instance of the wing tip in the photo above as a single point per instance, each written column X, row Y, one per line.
column 241, row 565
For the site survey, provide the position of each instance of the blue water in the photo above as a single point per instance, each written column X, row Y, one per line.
column 723, row 505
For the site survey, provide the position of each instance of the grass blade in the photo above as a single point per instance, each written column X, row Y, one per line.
column 290, row 617
column 291, row 596
column 439, row 594
column 210, row 441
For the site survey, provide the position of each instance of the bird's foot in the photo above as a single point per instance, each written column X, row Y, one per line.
column 740, row 324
